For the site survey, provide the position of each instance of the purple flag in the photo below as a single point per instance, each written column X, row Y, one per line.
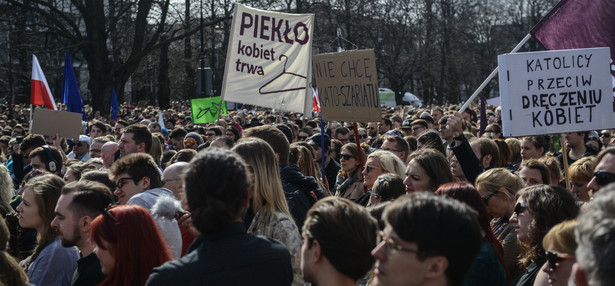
column 576, row 24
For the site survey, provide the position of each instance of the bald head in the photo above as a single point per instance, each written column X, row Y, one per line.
column 171, row 179
column 107, row 153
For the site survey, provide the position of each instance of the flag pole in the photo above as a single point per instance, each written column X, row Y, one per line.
column 492, row 75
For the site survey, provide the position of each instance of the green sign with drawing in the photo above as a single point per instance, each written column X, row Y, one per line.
column 205, row 110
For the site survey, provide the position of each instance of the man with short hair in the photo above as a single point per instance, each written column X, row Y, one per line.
column 81, row 149
column 172, row 179
column 107, row 153
column 21, row 163
column 372, row 132
column 119, row 128
column 154, row 127
column 397, row 146
column 416, row 248
column 137, row 180
column 39, row 159
column 604, row 172
column 338, row 236
column 595, row 243
column 96, row 147
column 419, row 126
column 576, row 148
column 332, row 167
column 79, row 204
column 135, row 139
column 176, row 138
column 486, row 151
column 445, row 134
column 343, row 134
column 225, row 254
column 437, row 113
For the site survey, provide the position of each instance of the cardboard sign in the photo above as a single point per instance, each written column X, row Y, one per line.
column 268, row 60
column 556, row 91
column 51, row 122
column 348, row 86
column 205, row 110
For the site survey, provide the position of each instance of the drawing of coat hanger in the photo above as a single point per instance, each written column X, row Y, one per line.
column 284, row 72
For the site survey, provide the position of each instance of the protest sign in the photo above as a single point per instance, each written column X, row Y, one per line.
column 205, row 110
column 51, row 122
column 268, row 60
column 348, row 86
column 556, row 91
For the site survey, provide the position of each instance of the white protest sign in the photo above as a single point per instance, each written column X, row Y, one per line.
column 269, row 60
column 556, row 91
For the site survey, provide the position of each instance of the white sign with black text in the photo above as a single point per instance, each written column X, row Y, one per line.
column 556, row 91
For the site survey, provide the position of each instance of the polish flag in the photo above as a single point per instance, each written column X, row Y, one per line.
column 315, row 100
column 40, row 94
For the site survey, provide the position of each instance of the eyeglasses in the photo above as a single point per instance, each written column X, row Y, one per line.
column 346, row 156
column 108, row 213
column 190, row 142
column 553, row 258
column 604, row 178
column 520, row 208
column 391, row 150
column 487, row 197
column 368, row 169
column 302, row 137
column 390, row 244
column 362, row 136
column 95, row 150
column 122, row 181
column 607, row 135
column 417, row 128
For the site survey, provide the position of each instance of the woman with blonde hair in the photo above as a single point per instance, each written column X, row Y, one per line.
column 303, row 156
column 560, row 246
column 498, row 188
column 381, row 162
column 581, row 172
column 272, row 217
column 349, row 183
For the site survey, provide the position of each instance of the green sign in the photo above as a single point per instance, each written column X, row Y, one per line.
column 205, row 110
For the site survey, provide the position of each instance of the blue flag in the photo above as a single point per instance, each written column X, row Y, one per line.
column 115, row 107
column 72, row 96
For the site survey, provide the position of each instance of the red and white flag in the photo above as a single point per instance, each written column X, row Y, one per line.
column 40, row 94
column 315, row 100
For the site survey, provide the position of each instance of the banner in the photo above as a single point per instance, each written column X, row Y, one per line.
column 268, row 60
column 556, row 91
column 205, row 110
column 348, row 86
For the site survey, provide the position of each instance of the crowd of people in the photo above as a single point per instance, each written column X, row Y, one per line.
column 423, row 197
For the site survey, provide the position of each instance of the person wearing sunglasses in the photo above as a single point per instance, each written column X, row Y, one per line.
column 560, row 246
column 498, row 188
column 604, row 173
column 381, row 162
column 605, row 137
column 193, row 140
column 416, row 247
column 537, row 210
column 128, row 245
column 349, row 182
column 81, row 149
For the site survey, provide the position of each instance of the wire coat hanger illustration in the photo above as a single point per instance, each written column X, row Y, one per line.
column 284, row 72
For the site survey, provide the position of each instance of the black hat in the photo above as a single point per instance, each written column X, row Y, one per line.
column 315, row 140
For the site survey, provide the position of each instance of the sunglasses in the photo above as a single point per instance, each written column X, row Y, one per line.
column 607, row 135
column 190, row 142
column 346, row 156
column 487, row 197
column 302, row 137
column 520, row 208
column 79, row 144
column 553, row 258
column 362, row 136
column 368, row 169
column 604, row 178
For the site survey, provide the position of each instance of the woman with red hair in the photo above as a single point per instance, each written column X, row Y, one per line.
column 128, row 245
column 488, row 266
